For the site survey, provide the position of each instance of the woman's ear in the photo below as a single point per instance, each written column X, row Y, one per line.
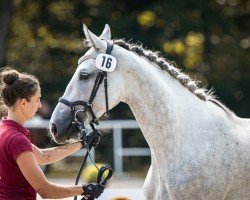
column 22, row 103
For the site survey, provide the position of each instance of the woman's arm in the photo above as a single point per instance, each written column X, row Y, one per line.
column 38, row 181
column 51, row 155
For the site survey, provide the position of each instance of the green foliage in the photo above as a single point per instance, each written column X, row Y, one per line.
column 208, row 39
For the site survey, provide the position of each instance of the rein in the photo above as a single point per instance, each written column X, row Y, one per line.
column 100, row 179
column 78, row 124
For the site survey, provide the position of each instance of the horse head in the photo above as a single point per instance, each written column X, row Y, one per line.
column 85, row 97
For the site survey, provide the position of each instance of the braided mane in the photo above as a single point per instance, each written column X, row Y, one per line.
column 168, row 66
column 202, row 93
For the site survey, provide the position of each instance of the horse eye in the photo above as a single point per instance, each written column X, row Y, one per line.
column 84, row 76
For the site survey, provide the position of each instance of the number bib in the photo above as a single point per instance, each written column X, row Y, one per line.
column 105, row 62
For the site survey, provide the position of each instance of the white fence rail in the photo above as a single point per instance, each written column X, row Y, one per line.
column 117, row 127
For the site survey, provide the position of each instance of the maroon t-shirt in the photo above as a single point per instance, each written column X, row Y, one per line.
column 14, row 140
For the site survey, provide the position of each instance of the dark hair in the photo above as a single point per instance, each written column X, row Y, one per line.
column 16, row 85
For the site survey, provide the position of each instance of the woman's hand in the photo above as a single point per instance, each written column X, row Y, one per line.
column 92, row 139
column 93, row 190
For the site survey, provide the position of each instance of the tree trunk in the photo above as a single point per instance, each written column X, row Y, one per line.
column 5, row 17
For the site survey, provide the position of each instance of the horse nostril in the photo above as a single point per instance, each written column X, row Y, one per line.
column 54, row 129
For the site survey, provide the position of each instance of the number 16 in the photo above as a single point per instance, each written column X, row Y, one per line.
column 107, row 62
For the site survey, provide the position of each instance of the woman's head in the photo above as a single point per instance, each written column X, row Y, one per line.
column 16, row 86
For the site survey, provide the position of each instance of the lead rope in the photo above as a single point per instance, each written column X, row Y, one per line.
column 101, row 171
column 83, row 132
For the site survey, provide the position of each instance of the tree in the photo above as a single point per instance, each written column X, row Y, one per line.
column 5, row 16
column 208, row 39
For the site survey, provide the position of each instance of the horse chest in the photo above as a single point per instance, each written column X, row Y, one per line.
column 182, row 181
column 188, row 172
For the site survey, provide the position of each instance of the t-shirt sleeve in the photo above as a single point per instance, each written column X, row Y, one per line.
column 18, row 145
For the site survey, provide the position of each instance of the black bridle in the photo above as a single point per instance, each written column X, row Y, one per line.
column 102, row 75
column 80, row 126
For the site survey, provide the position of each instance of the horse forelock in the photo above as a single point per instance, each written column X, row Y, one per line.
column 170, row 66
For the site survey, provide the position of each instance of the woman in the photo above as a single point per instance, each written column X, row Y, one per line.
column 20, row 174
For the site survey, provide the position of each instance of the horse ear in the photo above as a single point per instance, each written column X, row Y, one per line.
column 106, row 34
column 94, row 40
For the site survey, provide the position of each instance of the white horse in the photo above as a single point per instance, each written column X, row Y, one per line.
column 199, row 148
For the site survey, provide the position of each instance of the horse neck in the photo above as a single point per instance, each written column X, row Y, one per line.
column 158, row 101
